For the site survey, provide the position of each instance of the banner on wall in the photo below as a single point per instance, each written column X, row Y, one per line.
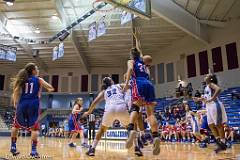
column 55, row 53
column 8, row 53
column 101, row 30
column 58, row 51
column 125, row 17
column 92, row 31
column 115, row 134
column 61, row 50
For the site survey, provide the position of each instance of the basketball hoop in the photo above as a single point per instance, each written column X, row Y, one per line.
column 94, row 5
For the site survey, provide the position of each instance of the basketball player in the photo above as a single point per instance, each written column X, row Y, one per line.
column 216, row 114
column 26, row 94
column 204, row 130
column 183, row 131
column 142, row 95
column 178, row 129
column 115, row 108
column 74, row 122
column 139, row 124
column 229, row 135
column 193, row 126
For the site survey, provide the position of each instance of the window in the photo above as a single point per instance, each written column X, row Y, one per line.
column 217, row 59
column 94, row 83
column 170, row 72
column 84, row 86
column 191, row 66
column 160, row 73
column 203, row 62
column 2, row 78
column 152, row 74
column 55, row 82
column 232, row 57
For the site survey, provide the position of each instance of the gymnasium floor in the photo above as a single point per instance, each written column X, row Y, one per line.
column 57, row 149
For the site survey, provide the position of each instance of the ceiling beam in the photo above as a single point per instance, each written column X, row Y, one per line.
column 65, row 20
column 179, row 17
column 26, row 47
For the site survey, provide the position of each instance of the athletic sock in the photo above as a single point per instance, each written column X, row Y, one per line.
column 13, row 142
column 130, row 127
column 95, row 142
column 34, row 145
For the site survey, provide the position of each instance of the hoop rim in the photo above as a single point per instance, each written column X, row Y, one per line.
column 101, row 10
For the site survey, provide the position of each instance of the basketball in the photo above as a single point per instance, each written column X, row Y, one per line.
column 147, row 59
column 120, row 79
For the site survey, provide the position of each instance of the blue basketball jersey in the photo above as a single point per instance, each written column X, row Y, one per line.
column 74, row 117
column 139, row 69
column 31, row 88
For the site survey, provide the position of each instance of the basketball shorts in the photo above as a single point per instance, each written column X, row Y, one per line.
column 205, row 123
column 73, row 124
column 27, row 114
column 142, row 89
column 115, row 112
column 195, row 127
column 216, row 113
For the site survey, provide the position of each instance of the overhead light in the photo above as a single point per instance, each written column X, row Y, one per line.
column 54, row 17
column 37, row 30
column 9, row 2
column 179, row 78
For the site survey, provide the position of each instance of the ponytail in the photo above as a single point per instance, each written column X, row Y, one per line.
column 213, row 79
column 22, row 76
column 107, row 82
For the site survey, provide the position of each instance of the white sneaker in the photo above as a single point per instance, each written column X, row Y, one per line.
column 156, row 146
column 131, row 138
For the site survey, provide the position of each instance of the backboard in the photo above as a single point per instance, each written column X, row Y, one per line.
column 140, row 8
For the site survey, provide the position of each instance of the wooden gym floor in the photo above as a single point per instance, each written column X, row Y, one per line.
column 57, row 149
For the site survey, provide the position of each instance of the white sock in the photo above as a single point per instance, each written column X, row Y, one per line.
column 136, row 140
column 95, row 142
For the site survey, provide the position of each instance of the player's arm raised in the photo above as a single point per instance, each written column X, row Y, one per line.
column 46, row 85
column 97, row 100
column 129, row 73
column 136, row 35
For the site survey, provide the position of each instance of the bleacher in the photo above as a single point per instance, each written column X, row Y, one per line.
column 6, row 117
column 163, row 102
column 232, row 106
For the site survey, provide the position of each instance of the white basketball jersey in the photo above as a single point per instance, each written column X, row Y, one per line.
column 127, row 95
column 114, row 95
column 207, row 93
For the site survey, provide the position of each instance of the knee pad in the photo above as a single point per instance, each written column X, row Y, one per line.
column 134, row 108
